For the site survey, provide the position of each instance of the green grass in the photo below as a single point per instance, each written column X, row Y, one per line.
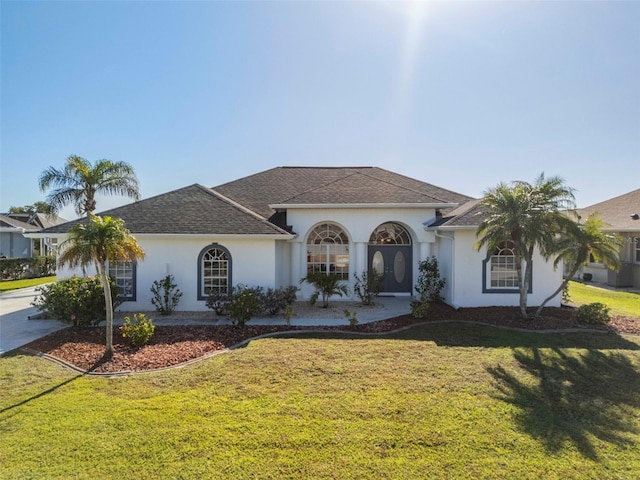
column 621, row 303
column 437, row 401
column 7, row 285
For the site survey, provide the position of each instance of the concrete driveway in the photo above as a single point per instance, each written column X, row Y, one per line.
column 16, row 329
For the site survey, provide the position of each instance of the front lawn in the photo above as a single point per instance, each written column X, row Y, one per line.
column 621, row 303
column 435, row 401
column 7, row 285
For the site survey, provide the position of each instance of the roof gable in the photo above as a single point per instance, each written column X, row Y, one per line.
column 188, row 211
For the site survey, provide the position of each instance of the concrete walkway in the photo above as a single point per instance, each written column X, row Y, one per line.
column 17, row 329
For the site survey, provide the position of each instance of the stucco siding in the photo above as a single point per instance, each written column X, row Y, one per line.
column 253, row 264
column 468, row 276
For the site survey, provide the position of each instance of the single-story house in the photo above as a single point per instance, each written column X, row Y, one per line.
column 13, row 226
column 272, row 228
column 622, row 216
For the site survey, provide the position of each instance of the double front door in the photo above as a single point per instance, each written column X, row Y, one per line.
column 395, row 263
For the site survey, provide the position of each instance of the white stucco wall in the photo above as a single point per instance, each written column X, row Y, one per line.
column 358, row 223
column 253, row 264
column 468, row 273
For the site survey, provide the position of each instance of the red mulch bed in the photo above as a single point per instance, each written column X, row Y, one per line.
column 173, row 345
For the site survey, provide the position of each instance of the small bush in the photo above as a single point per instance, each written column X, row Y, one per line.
column 419, row 308
column 75, row 300
column 244, row 304
column 166, row 295
column 218, row 302
column 139, row 331
column 288, row 314
column 274, row 301
column 351, row 316
column 593, row 313
column 368, row 286
column 429, row 284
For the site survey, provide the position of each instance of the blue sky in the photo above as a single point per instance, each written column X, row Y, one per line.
column 459, row 94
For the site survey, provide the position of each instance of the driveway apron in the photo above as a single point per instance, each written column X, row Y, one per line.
column 16, row 328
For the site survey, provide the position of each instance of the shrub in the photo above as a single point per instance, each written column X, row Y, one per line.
column 75, row 300
column 326, row 285
column 288, row 314
column 419, row 308
column 218, row 302
column 166, row 295
column 593, row 313
column 429, row 284
column 273, row 301
column 36, row 267
column 244, row 304
column 352, row 317
column 368, row 286
column 139, row 331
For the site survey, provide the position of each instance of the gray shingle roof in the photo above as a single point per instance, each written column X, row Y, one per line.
column 9, row 222
column 332, row 185
column 617, row 212
column 190, row 210
column 468, row 215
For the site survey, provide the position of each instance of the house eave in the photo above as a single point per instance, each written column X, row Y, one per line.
column 450, row 228
column 285, row 206
column 288, row 236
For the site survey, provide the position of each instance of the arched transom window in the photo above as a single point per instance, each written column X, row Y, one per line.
column 328, row 250
column 390, row 234
column 214, row 268
column 503, row 267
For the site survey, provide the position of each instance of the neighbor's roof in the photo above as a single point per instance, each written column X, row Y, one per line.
column 7, row 221
column 190, row 210
column 618, row 212
column 333, row 186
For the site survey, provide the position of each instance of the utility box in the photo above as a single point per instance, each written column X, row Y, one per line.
column 621, row 278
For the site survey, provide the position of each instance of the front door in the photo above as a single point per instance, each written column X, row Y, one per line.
column 395, row 263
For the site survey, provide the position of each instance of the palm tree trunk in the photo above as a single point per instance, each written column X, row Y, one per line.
column 522, row 287
column 560, row 288
column 108, row 304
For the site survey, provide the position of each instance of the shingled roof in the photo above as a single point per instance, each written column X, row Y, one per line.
column 468, row 215
column 620, row 213
column 190, row 210
column 332, row 186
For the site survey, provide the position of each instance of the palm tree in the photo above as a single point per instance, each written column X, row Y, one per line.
column 96, row 243
column 578, row 244
column 528, row 216
column 79, row 182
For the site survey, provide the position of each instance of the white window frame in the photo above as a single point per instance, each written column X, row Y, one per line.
column 328, row 250
column 124, row 275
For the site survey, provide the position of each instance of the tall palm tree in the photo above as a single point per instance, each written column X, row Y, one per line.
column 528, row 216
column 79, row 182
column 576, row 245
column 95, row 243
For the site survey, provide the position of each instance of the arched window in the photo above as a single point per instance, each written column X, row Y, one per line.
column 390, row 234
column 214, row 271
column 328, row 250
column 503, row 267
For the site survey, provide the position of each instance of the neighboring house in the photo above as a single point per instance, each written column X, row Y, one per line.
column 272, row 228
column 13, row 226
column 622, row 216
